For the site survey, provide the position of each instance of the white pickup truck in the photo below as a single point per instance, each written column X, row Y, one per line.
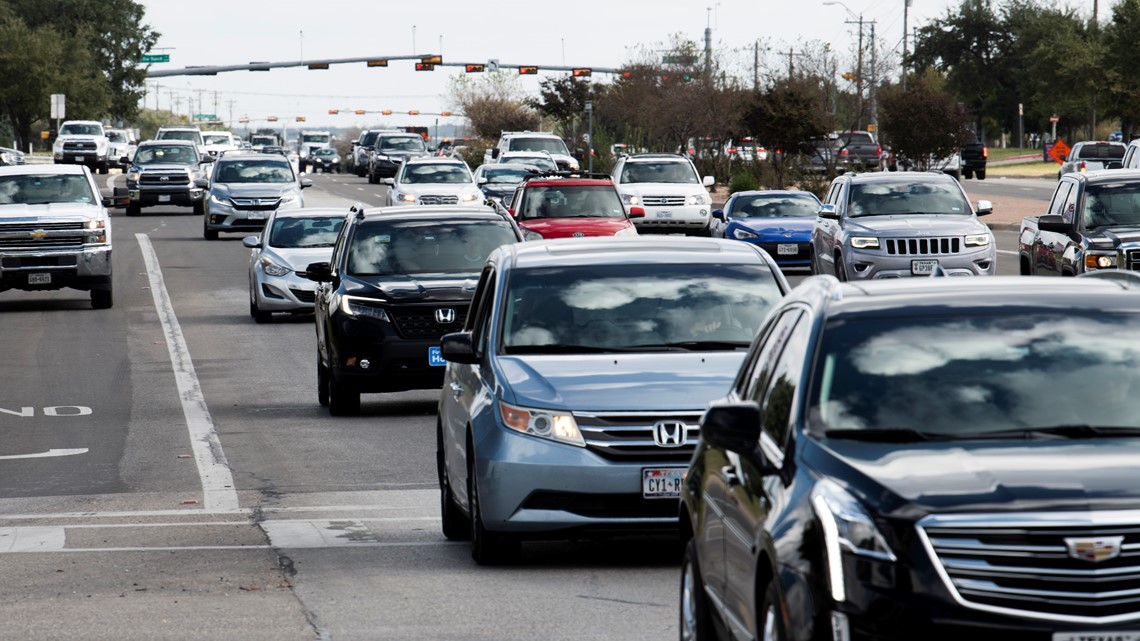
column 83, row 142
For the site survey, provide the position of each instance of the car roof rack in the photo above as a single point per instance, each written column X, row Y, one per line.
column 533, row 175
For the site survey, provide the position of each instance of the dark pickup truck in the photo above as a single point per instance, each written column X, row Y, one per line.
column 858, row 149
column 1093, row 223
column 974, row 154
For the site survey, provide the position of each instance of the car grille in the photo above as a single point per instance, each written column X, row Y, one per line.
column 256, row 204
column 1026, row 566
column 439, row 200
column 38, row 261
column 57, row 235
column 662, row 201
column 603, row 506
column 923, row 246
column 304, row 296
column 164, row 179
column 79, row 146
column 420, row 322
column 629, row 436
column 1133, row 259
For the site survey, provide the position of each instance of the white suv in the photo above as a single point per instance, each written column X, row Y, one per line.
column 533, row 141
column 668, row 187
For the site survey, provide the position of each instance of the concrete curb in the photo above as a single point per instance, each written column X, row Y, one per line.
column 1003, row 226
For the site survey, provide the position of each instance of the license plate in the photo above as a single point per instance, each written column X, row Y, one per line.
column 662, row 483
column 80, row 158
column 664, row 214
column 435, row 358
column 923, row 266
column 1113, row 635
column 39, row 279
column 255, row 215
column 164, row 199
column 785, row 249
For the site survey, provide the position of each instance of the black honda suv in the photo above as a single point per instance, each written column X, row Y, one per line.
column 929, row 459
column 397, row 282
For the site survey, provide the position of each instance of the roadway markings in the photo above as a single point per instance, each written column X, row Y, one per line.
column 217, row 480
column 32, row 539
column 1007, row 252
column 47, row 454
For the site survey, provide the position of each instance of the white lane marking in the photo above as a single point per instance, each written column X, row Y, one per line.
column 217, row 480
column 32, row 539
column 195, row 548
column 359, row 189
column 195, row 512
column 1007, row 252
column 243, row 522
column 47, row 454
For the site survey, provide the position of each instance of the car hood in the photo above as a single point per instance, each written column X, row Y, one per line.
column 1117, row 236
column 300, row 258
column 257, row 190
column 437, row 188
column 979, row 476
column 55, row 212
column 611, row 382
column 74, row 137
column 418, row 288
column 777, row 228
column 163, row 167
column 575, row 227
column 911, row 225
column 401, row 156
column 662, row 189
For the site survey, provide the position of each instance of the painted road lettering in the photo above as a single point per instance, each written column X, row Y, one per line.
column 53, row 410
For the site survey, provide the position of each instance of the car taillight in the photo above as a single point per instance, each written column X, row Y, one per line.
column 732, row 150
column 985, row 152
column 1083, row 166
column 842, row 152
column 878, row 151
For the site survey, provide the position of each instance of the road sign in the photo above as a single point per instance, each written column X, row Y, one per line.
column 58, row 106
column 155, row 57
column 1054, row 119
column 1059, row 151
column 678, row 59
column 44, row 135
column 205, row 116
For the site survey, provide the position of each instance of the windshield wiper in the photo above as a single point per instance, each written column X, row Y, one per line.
column 559, row 348
column 697, row 346
column 885, row 435
column 1070, row 431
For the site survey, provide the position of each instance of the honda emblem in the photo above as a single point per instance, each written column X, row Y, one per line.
column 670, row 433
column 445, row 316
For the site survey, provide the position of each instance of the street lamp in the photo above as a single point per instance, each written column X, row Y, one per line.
column 832, row 3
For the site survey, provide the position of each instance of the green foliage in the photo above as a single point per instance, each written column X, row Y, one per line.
column 786, row 116
column 148, row 121
column 563, row 100
column 742, row 181
column 924, row 121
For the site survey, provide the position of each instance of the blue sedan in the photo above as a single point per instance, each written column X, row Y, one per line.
column 780, row 222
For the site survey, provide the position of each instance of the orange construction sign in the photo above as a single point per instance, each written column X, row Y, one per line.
column 1059, row 151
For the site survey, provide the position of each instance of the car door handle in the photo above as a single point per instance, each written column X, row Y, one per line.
column 728, row 475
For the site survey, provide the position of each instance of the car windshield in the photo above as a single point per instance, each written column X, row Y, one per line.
column 254, row 171
column 387, row 248
column 215, row 139
column 45, row 189
column 853, row 138
column 659, row 172
column 550, row 145
column 545, row 163
column 74, row 129
column 986, row 372
column 883, row 198
column 159, row 154
column 369, row 139
column 261, row 141
column 1102, row 151
column 116, row 136
column 505, row 175
column 1112, row 204
column 315, row 138
column 571, row 201
column 450, row 173
column 646, row 307
column 326, row 152
column 192, row 136
column 772, row 206
column 307, row 231
column 403, row 143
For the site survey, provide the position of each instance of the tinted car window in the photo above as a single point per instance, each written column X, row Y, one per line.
column 780, row 392
column 382, row 248
column 41, row 190
column 254, row 171
column 80, row 130
column 978, row 373
column 435, row 174
column 1101, row 152
column 588, row 201
column 1057, row 205
column 369, row 139
column 505, row 175
column 805, row 206
column 157, row 154
column 619, row 307
column 551, row 145
column 658, row 172
column 402, row 143
column 1108, row 204
column 757, row 381
column 291, row 233
column 192, row 136
column 1069, row 208
column 880, row 198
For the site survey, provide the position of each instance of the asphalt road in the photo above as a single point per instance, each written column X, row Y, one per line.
column 166, row 473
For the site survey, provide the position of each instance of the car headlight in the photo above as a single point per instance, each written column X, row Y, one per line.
column 221, row 201
column 631, row 199
column 531, row 235
column 864, row 242
column 628, row 231
column 467, row 198
column 133, row 176
column 272, row 268
column 846, row 528
column 288, row 200
column 57, row 147
column 574, row 165
column 93, row 225
column 1100, row 261
column 406, row 198
column 743, row 234
column 7, row 158
column 365, row 307
column 698, row 199
column 977, row 240
column 546, row 424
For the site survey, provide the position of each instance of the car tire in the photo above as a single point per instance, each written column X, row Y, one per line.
column 456, row 525
column 373, row 179
column 342, row 400
column 200, row 208
column 322, row 383
column 104, row 168
column 813, row 267
column 840, row 269
column 207, row 233
column 771, row 622
column 696, row 621
column 487, row 548
column 133, row 209
column 967, row 174
column 981, row 174
column 102, row 298
column 955, row 175
column 260, row 316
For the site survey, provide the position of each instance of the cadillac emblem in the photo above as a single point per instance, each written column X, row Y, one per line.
column 1094, row 550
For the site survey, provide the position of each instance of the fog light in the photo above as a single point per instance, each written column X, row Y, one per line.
column 364, row 363
column 840, row 630
column 350, row 361
column 217, row 218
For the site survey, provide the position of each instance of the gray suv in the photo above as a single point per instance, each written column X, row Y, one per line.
column 878, row 225
column 245, row 189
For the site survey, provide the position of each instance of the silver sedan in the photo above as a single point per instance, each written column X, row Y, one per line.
column 291, row 241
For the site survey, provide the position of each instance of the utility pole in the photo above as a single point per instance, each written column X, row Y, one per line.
column 791, row 67
column 906, row 8
column 859, row 72
column 215, row 103
column 874, row 83
column 230, row 119
column 756, row 66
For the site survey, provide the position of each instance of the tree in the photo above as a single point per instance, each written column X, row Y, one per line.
column 493, row 104
column 924, row 122
column 787, row 116
column 1120, row 62
column 563, row 100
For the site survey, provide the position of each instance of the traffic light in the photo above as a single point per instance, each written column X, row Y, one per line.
column 445, row 113
column 432, row 60
column 377, row 63
column 386, row 112
column 318, row 65
column 360, row 112
column 272, row 119
column 686, row 78
column 243, row 120
column 627, row 74
column 528, row 71
column 300, row 119
column 582, row 73
column 413, row 112
column 847, row 75
column 425, row 66
column 474, row 68
column 333, row 112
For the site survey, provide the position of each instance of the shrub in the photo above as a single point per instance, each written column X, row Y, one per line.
column 743, row 181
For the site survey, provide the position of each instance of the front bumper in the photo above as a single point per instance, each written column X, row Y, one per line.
column 179, row 196
column 220, row 217
column 288, row 293
column 86, row 269
column 394, row 364
column 79, row 158
column 877, row 264
column 676, row 218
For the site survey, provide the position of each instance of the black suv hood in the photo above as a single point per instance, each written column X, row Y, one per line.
column 910, row 480
column 421, row 288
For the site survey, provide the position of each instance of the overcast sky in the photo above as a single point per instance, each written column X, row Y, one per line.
column 583, row 33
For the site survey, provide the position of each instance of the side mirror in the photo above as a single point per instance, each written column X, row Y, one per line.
column 495, row 152
column 482, row 180
column 208, row 159
column 1114, row 164
column 251, row 241
column 124, row 160
column 389, row 181
column 732, row 426
column 708, row 181
column 306, row 183
column 637, row 212
column 829, row 212
column 319, row 272
column 1054, row 223
column 985, row 208
column 511, row 211
column 718, row 214
column 202, row 183
column 458, row 347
